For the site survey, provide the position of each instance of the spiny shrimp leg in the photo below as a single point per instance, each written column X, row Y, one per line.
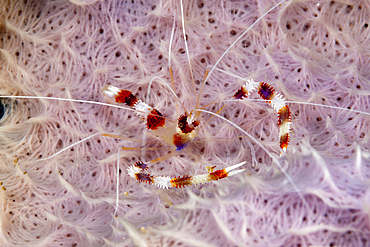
column 137, row 171
column 276, row 101
column 154, row 119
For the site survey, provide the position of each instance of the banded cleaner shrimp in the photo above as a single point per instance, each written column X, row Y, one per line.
column 85, row 192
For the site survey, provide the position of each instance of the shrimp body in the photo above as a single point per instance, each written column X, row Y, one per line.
column 180, row 134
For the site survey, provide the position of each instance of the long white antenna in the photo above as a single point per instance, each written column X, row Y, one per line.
column 171, row 39
column 186, row 44
column 229, row 48
column 117, row 178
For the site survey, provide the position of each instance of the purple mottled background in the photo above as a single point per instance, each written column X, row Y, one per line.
column 312, row 52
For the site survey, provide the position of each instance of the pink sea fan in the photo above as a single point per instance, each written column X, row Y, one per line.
column 316, row 53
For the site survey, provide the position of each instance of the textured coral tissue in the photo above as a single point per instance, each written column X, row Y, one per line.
column 57, row 191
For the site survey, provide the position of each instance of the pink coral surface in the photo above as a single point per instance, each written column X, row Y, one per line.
column 316, row 53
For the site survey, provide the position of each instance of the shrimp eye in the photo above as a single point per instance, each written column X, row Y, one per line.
column 195, row 123
column 183, row 124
